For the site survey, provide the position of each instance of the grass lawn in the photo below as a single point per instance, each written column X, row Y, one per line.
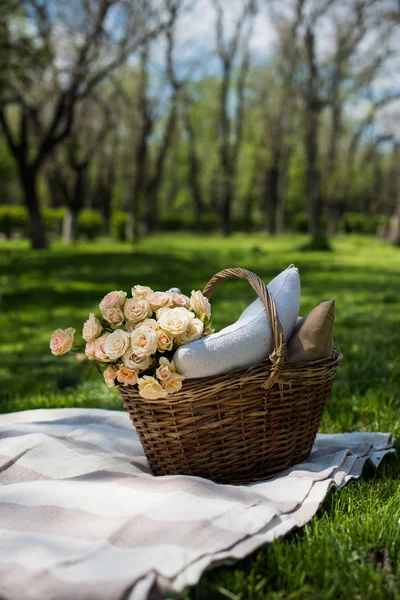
column 327, row 559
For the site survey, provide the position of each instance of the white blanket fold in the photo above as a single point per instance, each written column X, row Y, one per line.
column 82, row 517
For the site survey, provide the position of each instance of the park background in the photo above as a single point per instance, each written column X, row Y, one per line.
column 159, row 141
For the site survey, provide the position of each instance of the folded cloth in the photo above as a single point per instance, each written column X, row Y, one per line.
column 81, row 515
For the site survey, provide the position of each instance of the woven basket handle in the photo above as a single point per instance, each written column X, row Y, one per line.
column 278, row 356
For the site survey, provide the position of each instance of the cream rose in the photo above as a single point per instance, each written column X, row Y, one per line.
column 150, row 388
column 127, row 376
column 170, row 364
column 152, row 323
column 117, row 344
column 90, row 350
column 134, row 362
column 158, row 300
column 165, row 341
column 62, row 341
column 92, row 328
column 112, row 300
column 163, row 372
column 179, row 299
column 175, row 320
column 99, row 348
column 159, row 312
column 173, row 383
column 144, row 341
column 200, row 305
column 114, row 316
column 141, row 290
column 193, row 332
column 137, row 309
column 109, row 376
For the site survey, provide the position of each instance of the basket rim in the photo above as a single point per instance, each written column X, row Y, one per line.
column 301, row 373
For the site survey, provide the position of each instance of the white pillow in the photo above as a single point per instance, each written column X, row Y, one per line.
column 248, row 341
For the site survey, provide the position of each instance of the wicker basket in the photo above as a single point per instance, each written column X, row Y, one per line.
column 240, row 427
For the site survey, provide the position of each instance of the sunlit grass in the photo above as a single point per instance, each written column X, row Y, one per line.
column 41, row 291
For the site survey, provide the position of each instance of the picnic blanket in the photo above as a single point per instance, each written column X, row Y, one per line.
column 82, row 517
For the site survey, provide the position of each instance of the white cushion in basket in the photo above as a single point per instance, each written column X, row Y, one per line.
column 248, row 341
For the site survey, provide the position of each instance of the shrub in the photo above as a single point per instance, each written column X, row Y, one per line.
column 53, row 219
column 186, row 222
column 358, row 223
column 177, row 223
column 210, row 221
column 119, row 220
column 299, row 223
column 90, row 224
column 13, row 219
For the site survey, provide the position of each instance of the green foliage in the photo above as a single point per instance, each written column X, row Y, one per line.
column 119, row 220
column 186, row 222
column 327, row 558
column 7, row 165
column 90, row 224
column 13, row 219
column 53, row 219
column 359, row 223
column 209, row 222
column 298, row 223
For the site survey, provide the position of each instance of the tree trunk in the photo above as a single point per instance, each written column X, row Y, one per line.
column 226, row 209
column 76, row 204
column 154, row 184
column 194, row 175
column 37, row 227
column 70, row 226
column 282, row 191
column 273, row 196
column 312, row 114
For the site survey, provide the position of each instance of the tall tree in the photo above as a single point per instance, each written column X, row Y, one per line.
column 37, row 118
column 68, row 167
column 233, row 52
column 279, row 118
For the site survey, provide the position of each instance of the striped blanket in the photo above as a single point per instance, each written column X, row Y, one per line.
column 82, row 517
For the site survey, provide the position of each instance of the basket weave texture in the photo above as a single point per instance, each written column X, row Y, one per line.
column 243, row 426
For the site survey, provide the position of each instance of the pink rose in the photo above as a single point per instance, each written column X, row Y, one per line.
column 62, row 341
column 137, row 309
column 109, row 376
column 165, row 341
column 112, row 300
column 131, row 325
column 140, row 363
column 114, row 316
column 92, row 328
column 158, row 300
column 179, row 300
column 127, row 376
column 141, row 290
column 99, row 348
column 152, row 323
column 90, row 350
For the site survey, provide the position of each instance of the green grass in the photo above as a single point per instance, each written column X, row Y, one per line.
column 339, row 553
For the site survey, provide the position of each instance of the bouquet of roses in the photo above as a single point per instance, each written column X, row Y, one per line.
column 134, row 339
